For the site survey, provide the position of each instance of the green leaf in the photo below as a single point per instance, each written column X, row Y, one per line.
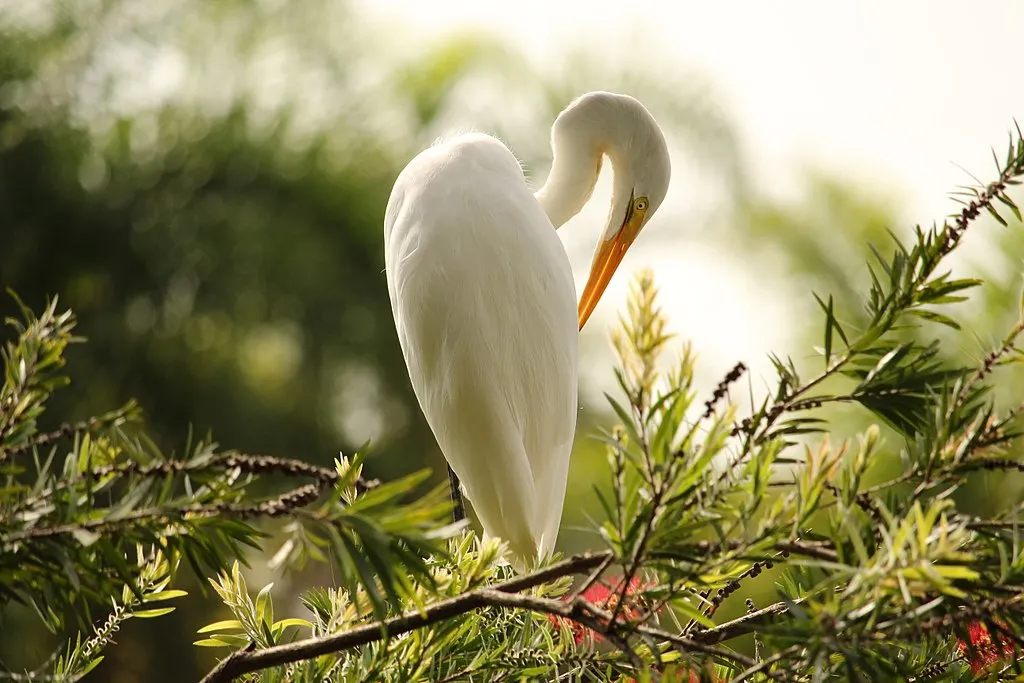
column 671, row 418
column 1005, row 199
column 995, row 214
column 626, row 419
column 366, row 576
column 90, row 666
column 223, row 640
column 83, row 450
column 264, row 605
column 884, row 361
column 85, row 537
column 934, row 317
column 957, row 572
column 227, row 624
column 830, row 324
column 165, row 595
column 151, row 613
column 291, row 622
column 209, row 642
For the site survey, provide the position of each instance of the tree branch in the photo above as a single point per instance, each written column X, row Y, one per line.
column 278, row 506
column 92, row 425
column 239, row 662
column 505, row 595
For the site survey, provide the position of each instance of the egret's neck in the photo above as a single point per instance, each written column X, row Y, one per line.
column 574, row 170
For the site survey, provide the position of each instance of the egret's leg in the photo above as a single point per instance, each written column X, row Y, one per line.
column 459, row 512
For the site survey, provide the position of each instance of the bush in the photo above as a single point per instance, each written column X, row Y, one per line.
column 876, row 578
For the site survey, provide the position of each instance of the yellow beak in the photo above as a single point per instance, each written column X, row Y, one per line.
column 606, row 261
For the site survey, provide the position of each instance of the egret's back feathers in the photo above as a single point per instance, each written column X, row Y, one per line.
column 485, row 307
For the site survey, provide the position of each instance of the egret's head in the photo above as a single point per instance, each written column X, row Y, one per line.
column 639, row 156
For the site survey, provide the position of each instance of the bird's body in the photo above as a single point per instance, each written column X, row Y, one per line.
column 485, row 306
column 491, row 347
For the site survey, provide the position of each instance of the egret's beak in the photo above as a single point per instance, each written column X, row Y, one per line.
column 606, row 260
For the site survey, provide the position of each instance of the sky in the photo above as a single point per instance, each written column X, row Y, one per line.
column 896, row 90
column 893, row 94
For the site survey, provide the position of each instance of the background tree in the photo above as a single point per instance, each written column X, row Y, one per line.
column 219, row 239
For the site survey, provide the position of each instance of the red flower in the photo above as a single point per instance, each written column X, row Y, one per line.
column 983, row 652
column 605, row 597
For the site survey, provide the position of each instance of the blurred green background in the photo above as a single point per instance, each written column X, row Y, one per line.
column 204, row 183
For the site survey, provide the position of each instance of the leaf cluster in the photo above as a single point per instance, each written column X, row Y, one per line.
column 77, row 503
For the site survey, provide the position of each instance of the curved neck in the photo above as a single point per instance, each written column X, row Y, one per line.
column 575, row 166
column 594, row 125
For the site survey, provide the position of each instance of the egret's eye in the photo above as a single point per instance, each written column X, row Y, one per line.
column 641, row 204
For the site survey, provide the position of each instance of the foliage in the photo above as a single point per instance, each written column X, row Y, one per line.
column 203, row 183
column 79, row 502
column 149, row 585
column 222, row 252
column 875, row 582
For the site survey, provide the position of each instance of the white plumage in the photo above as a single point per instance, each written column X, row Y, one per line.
column 485, row 306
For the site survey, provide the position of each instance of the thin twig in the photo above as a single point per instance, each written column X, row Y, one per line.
column 758, row 428
column 92, row 425
column 275, row 507
column 249, row 464
column 765, row 664
column 743, row 625
column 592, row 579
column 722, row 389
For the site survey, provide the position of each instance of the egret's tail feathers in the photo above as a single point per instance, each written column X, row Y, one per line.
column 546, row 546
column 540, row 547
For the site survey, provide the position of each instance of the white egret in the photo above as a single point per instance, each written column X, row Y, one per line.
column 485, row 305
